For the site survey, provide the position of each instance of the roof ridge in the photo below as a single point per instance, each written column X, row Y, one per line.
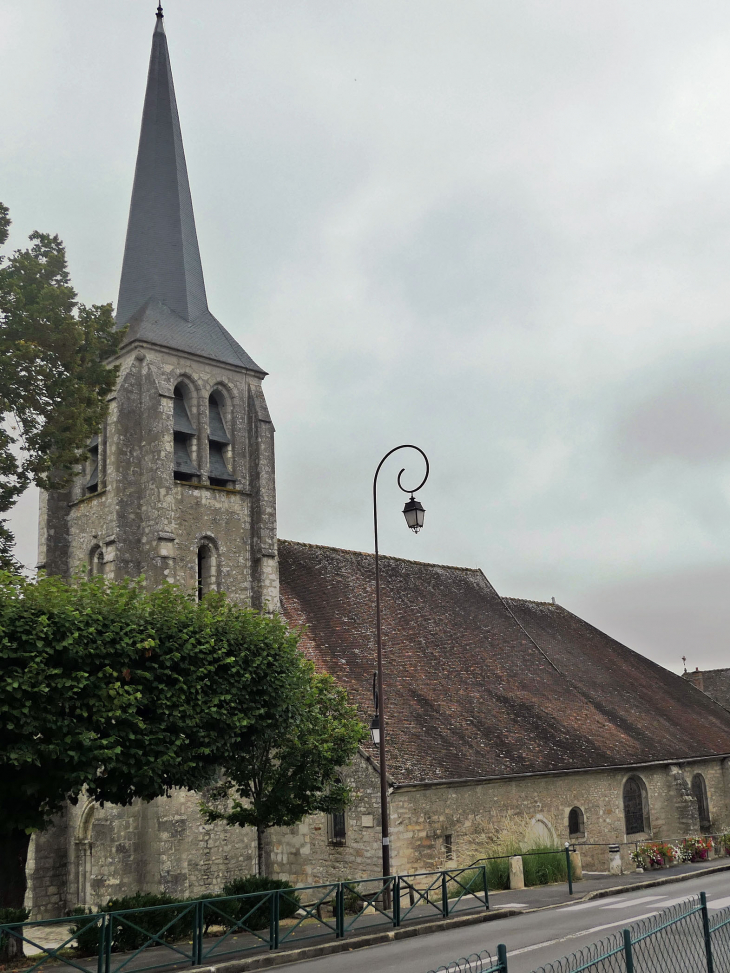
column 530, row 601
column 386, row 557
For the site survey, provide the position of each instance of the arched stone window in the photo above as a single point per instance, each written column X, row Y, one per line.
column 207, row 569
column 699, row 792
column 636, row 806
column 96, row 561
column 219, row 442
column 576, row 823
column 184, row 433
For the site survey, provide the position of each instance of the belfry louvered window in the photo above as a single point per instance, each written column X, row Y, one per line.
column 92, row 484
column 184, row 437
column 218, row 443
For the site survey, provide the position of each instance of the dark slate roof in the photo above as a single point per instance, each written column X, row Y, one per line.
column 205, row 336
column 479, row 686
column 161, row 257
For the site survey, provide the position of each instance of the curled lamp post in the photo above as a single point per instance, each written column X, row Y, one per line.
column 413, row 512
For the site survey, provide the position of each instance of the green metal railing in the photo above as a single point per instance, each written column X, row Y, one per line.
column 203, row 931
column 683, row 939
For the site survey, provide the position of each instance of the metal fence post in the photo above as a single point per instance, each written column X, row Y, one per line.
column 198, row 926
column 502, row 957
column 340, row 911
column 101, row 952
column 570, row 870
column 396, row 901
column 444, row 896
column 706, row 930
column 486, row 890
column 628, row 952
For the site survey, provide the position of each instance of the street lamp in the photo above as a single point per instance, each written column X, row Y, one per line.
column 413, row 512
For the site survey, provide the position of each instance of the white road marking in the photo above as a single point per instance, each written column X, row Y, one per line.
column 583, row 932
column 514, row 905
column 719, row 903
column 628, row 904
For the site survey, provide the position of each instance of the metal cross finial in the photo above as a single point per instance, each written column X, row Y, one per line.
column 160, row 14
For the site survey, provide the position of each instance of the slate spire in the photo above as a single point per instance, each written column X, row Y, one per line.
column 162, row 291
column 161, row 256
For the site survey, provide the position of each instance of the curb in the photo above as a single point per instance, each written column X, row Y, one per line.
column 269, row 960
column 653, row 883
column 288, row 957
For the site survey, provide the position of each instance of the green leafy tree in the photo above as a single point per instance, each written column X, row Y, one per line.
column 282, row 769
column 53, row 380
column 123, row 693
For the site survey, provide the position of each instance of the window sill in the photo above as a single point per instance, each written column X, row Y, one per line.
column 208, row 486
column 86, row 497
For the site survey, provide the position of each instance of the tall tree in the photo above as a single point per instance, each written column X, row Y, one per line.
column 281, row 769
column 123, row 692
column 53, row 380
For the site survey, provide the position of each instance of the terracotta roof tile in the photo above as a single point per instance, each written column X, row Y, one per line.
column 480, row 686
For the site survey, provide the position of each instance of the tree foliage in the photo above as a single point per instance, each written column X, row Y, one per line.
column 125, row 693
column 53, row 380
column 279, row 770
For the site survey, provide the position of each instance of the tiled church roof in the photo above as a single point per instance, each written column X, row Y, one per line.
column 480, row 686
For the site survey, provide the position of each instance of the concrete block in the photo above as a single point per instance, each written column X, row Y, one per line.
column 516, row 873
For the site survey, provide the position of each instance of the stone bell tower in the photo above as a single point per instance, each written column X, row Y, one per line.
column 179, row 484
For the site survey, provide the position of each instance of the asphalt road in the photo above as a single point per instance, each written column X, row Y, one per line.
column 532, row 939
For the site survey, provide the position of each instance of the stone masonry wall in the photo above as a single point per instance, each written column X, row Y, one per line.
column 146, row 522
column 478, row 816
column 166, row 847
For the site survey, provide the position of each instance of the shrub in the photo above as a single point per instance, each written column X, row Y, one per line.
column 176, row 921
column 257, row 908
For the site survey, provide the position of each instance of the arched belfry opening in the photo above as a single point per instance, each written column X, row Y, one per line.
column 184, row 434
column 219, row 442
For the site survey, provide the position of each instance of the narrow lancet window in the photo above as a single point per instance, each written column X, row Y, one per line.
column 699, row 792
column 207, row 570
column 184, row 435
column 92, row 484
column 218, row 443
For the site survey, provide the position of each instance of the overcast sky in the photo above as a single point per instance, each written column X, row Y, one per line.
column 498, row 230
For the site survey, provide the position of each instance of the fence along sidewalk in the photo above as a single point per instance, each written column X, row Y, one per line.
column 204, row 931
column 683, row 939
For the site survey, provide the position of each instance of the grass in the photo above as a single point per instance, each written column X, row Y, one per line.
column 543, row 869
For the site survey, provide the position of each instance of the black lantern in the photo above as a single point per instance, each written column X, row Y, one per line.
column 375, row 730
column 413, row 512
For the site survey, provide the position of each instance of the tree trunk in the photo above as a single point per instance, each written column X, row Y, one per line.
column 13, row 856
column 260, row 832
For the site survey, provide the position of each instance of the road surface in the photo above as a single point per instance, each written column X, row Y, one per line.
column 532, row 939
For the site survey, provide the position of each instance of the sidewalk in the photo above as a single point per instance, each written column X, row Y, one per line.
column 241, row 952
column 595, row 884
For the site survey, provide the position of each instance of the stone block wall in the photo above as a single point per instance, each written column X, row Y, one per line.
column 165, row 846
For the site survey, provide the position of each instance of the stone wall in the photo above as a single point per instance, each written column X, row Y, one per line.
column 433, row 827
column 92, row 853
column 714, row 682
column 143, row 520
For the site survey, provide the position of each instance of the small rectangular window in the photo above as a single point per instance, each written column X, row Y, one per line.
column 337, row 828
column 449, row 847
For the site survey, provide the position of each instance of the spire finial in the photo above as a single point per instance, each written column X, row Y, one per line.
column 160, row 14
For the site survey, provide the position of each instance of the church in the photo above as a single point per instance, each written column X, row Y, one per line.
column 507, row 718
